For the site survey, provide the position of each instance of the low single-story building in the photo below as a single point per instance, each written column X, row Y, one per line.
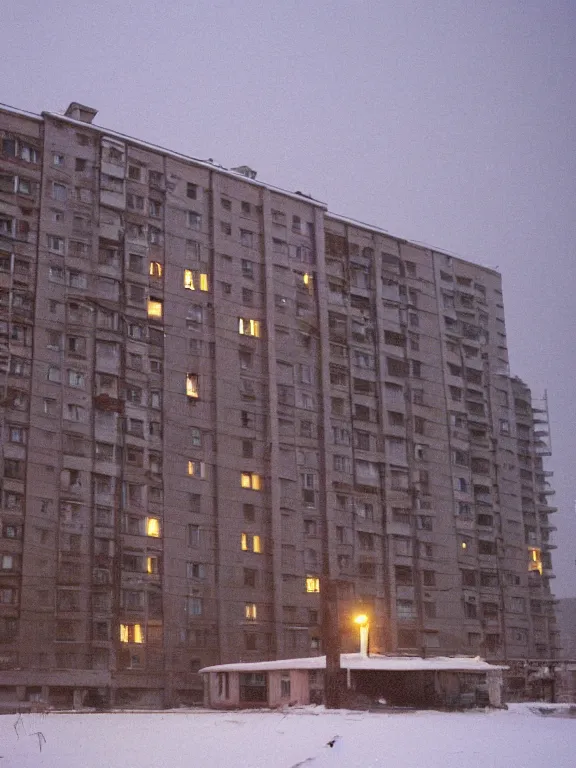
column 398, row 680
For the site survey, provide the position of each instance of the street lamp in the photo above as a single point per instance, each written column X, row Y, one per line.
column 362, row 621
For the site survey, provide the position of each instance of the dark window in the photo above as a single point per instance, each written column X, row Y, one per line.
column 253, row 687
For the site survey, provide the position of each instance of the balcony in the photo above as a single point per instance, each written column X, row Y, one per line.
column 547, row 526
column 546, row 490
column 543, row 507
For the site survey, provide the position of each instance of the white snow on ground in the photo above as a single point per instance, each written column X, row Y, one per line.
column 262, row 739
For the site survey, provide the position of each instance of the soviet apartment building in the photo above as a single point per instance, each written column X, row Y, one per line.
column 213, row 394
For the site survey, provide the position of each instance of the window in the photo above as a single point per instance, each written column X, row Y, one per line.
column 194, row 220
column 59, row 192
column 306, row 401
column 193, row 535
column 191, row 190
column 8, row 596
column 7, row 562
column 154, row 308
column 153, row 527
column 196, row 469
column 416, row 369
column 312, row 584
column 135, row 263
column 486, row 547
column 342, row 463
column 250, row 611
column 247, row 327
column 246, row 359
column 490, row 610
column 489, row 579
column 152, row 564
column 76, row 279
column 195, row 280
column 75, row 412
column 195, row 316
column 405, row 609
column 429, row 578
column 131, row 633
column 365, row 540
column 155, row 269
column 155, row 178
column 404, row 575
column 76, row 379
column 310, row 528
column 55, row 244
column 247, row 269
column 250, row 575
column 535, row 560
column 195, row 606
column 195, row 571
column 192, row 386
column 226, row 228
column 155, row 209
column 402, row 546
column 247, row 238
column 251, row 480
column 251, row 542
column 362, row 440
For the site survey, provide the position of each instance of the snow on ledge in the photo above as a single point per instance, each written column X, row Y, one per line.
column 358, row 661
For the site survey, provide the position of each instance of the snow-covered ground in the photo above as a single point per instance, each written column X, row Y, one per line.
column 205, row 739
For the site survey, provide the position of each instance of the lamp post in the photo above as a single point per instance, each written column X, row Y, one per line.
column 362, row 621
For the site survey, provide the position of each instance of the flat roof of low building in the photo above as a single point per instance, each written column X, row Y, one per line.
column 356, row 661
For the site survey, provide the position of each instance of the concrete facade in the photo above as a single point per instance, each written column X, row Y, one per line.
column 216, row 394
column 567, row 622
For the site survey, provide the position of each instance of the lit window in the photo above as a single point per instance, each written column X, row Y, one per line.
column 154, row 308
column 153, row 527
column 156, row 269
column 250, row 611
column 152, row 564
column 535, row 563
column 312, row 584
column 131, row 633
column 251, row 543
column 247, row 327
column 251, row 480
column 195, row 281
column 196, row 469
column 192, row 385
column 308, row 281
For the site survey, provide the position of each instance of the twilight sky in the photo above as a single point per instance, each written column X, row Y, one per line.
column 450, row 123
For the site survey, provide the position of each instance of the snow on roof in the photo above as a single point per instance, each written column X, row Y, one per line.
column 358, row 661
column 180, row 156
column 23, row 112
column 357, row 223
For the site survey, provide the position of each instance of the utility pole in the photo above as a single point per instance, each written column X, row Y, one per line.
column 333, row 683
